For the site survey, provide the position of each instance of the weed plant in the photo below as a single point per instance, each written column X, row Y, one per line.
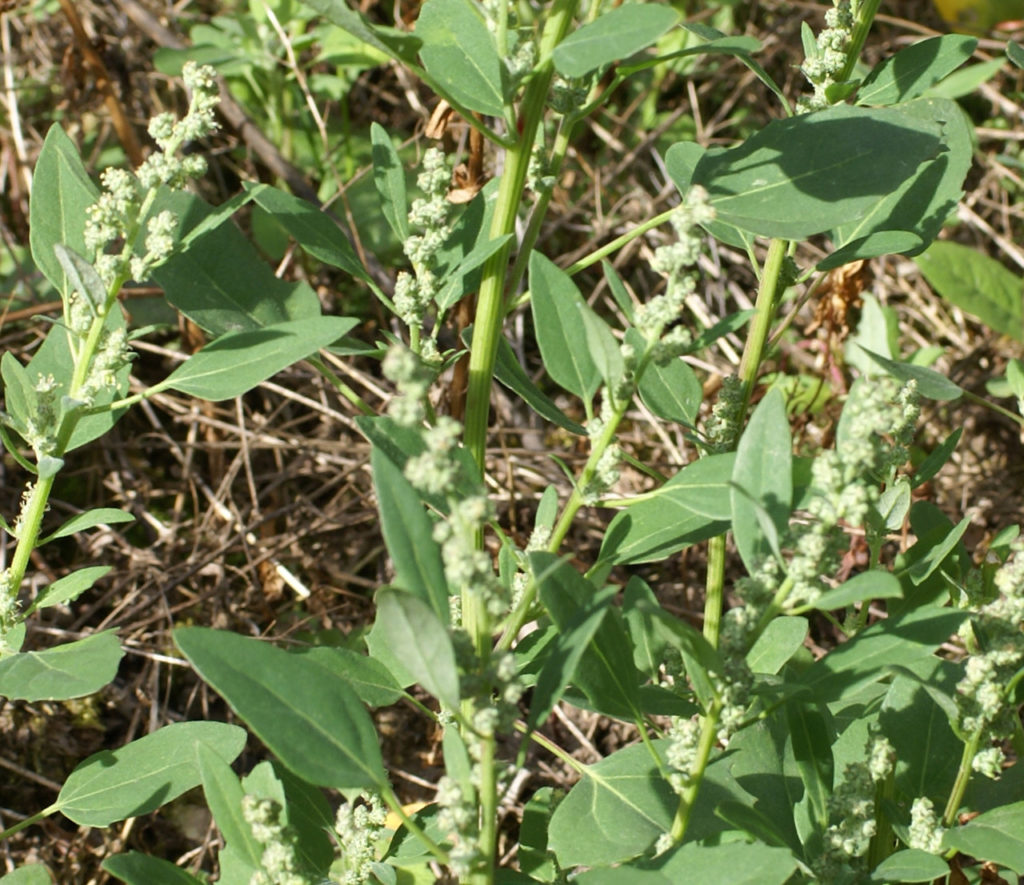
column 888, row 758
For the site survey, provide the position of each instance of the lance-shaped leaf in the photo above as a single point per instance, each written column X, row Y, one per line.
column 72, row 670
column 618, row 34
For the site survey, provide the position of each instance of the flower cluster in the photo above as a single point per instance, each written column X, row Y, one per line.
column 358, row 827
column 414, row 293
column 280, row 858
column 995, row 637
column 828, row 58
column 926, row 831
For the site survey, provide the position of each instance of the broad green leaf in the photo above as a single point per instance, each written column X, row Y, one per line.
column 776, row 645
column 930, row 383
column 136, row 868
column 996, row 836
column 533, row 855
column 938, row 548
column 907, row 74
column 905, row 640
column 389, row 179
column 408, row 534
column 923, row 201
column 883, row 242
column 82, row 277
column 370, row 679
column 601, row 345
column 1015, row 53
column 116, row 784
column 927, row 751
column 781, row 183
column 61, row 194
column 89, row 520
column 395, row 44
column 977, row 284
column 224, row 794
column 646, row 634
column 692, row 506
column 312, row 721
column 618, row 809
column 573, row 639
column 465, row 277
column 619, row 293
column 68, row 588
column 555, row 301
column 72, row 670
column 616, row 35
column 421, row 640
column 812, row 735
column 874, row 584
column 220, row 282
column 909, row 865
column 31, row 874
column 762, row 482
column 509, row 372
column 459, row 54
column 716, row 43
column 731, row 863
column 307, row 812
column 605, row 671
column 315, row 231
column 238, row 361
column 672, row 391
column 19, row 392
column 966, row 80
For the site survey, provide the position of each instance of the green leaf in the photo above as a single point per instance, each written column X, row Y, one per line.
column 615, row 812
column 938, row 549
column 395, row 44
column 927, row 750
column 812, row 736
column 421, row 640
column 875, row 584
column 966, row 80
column 907, row 74
column 220, row 282
column 605, row 672
column 136, row 868
column 977, row 284
column 909, row 865
column 82, row 276
column 369, row 678
column 1015, row 53
column 408, row 534
column 459, row 54
column 616, row 35
column 905, row 640
column 563, row 661
column 996, row 836
column 555, row 302
column 389, row 179
column 936, row 459
column 672, row 391
column 646, row 634
column 601, row 345
column 882, row 242
column 31, row 874
column 238, row 361
column 72, row 670
column 930, row 383
column 19, row 392
column 116, row 784
column 509, row 372
column 762, row 482
column 61, row 194
column 692, row 506
column 224, row 794
column 922, row 202
column 534, row 858
column 89, row 520
column 731, row 863
column 312, row 721
column 68, row 588
column 781, row 639
column 781, row 183
column 314, row 230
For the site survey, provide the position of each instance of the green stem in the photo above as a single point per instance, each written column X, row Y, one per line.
column 963, row 777
column 619, row 242
column 490, row 302
column 714, row 585
column 768, row 294
column 488, row 813
column 865, row 18
column 28, row 821
column 347, row 392
column 688, row 796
